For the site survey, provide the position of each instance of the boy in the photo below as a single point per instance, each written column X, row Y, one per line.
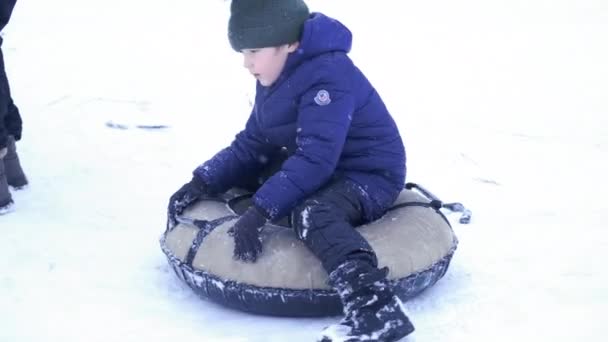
column 10, row 127
column 341, row 158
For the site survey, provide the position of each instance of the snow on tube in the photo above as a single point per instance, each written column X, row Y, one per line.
column 414, row 239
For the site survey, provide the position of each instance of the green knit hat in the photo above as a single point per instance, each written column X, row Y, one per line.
column 257, row 24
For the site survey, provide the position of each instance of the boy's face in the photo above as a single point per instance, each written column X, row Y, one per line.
column 266, row 64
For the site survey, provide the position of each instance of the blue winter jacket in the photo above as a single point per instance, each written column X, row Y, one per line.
column 330, row 119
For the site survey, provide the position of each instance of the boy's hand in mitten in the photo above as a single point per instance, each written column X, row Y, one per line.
column 246, row 234
column 182, row 198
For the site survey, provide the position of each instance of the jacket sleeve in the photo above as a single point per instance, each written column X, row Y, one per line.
column 323, row 123
column 245, row 155
column 6, row 10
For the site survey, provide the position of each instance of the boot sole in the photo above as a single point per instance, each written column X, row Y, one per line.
column 7, row 208
column 405, row 330
column 18, row 187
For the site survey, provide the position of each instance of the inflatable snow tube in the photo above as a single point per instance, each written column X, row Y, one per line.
column 414, row 239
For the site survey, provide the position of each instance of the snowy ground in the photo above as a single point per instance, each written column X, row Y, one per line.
column 503, row 105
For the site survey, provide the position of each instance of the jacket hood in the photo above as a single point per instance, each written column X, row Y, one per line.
column 321, row 34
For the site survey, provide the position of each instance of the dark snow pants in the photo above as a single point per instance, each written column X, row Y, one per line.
column 325, row 221
column 10, row 119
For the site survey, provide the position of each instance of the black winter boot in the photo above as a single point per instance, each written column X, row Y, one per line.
column 14, row 173
column 6, row 201
column 371, row 311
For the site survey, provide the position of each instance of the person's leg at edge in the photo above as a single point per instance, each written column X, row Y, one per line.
column 6, row 200
column 14, row 173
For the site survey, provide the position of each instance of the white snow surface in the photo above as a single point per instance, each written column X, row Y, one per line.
column 503, row 105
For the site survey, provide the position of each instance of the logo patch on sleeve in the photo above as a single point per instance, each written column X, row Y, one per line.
column 322, row 98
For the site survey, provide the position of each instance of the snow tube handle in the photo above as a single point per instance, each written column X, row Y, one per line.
column 465, row 217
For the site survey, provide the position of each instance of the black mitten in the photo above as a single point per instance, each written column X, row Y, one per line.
column 186, row 195
column 246, row 233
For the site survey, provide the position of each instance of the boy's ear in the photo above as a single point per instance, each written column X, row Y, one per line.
column 292, row 47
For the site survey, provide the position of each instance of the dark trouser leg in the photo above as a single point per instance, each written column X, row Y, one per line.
column 13, row 121
column 5, row 195
column 14, row 173
column 11, row 118
column 325, row 223
column 4, row 96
